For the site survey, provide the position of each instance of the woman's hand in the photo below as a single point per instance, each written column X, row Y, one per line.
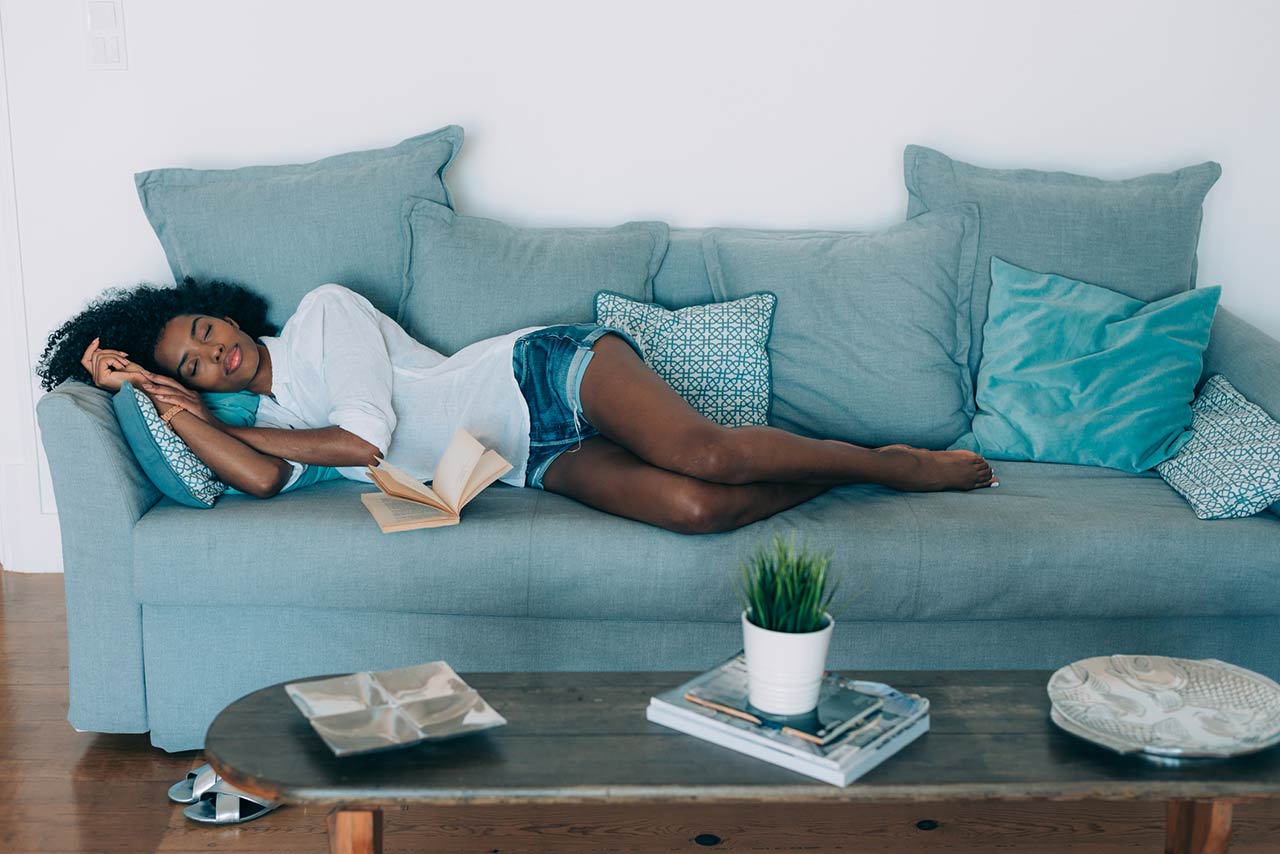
column 110, row 368
column 166, row 391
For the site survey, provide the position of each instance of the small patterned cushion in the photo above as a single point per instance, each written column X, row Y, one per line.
column 1231, row 466
column 168, row 462
column 715, row 356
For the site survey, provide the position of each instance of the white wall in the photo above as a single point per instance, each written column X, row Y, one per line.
column 585, row 113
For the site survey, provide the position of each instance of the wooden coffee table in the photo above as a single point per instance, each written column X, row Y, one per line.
column 582, row 738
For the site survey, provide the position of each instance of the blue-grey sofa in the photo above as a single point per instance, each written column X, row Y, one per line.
column 173, row 612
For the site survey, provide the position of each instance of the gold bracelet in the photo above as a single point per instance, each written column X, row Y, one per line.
column 170, row 412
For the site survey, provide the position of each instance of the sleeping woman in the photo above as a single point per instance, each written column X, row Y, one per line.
column 574, row 408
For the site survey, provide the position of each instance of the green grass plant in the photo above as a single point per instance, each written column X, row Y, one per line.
column 784, row 589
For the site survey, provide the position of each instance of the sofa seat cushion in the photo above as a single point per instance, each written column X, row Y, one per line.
column 1054, row 541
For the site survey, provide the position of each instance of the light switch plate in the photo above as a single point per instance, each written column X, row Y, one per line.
column 104, row 34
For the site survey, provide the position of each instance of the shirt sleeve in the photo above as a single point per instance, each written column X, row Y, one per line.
column 355, row 364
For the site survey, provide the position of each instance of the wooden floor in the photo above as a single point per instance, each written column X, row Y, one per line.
column 63, row 791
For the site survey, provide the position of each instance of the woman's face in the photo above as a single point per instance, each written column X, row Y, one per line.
column 207, row 353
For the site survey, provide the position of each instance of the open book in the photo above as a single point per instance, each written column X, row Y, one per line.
column 405, row 503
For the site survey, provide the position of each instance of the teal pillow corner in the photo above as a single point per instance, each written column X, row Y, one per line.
column 284, row 229
column 715, row 355
column 527, row 276
column 166, row 460
column 1073, row 372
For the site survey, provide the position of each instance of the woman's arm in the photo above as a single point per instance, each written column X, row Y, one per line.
column 322, row 446
column 233, row 461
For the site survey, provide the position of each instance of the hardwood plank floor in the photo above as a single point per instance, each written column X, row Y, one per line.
column 63, row 791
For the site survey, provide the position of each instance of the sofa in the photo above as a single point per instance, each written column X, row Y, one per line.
column 173, row 612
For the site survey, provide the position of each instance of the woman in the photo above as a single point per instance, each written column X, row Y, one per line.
column 573, row 408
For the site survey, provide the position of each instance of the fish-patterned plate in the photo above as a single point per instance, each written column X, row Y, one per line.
column 1171, row 707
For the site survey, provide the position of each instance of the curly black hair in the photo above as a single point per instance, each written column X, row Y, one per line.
column 132, row 318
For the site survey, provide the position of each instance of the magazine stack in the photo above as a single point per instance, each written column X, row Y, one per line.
column 856, row 725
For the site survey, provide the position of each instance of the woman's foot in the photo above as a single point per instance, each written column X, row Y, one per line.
column 917, row 470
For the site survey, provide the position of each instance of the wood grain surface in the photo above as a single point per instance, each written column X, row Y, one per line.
column 63, row 792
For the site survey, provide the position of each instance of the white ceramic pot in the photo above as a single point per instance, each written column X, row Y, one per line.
column 784, row 669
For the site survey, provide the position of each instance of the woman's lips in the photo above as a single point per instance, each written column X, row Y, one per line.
column 233, row 359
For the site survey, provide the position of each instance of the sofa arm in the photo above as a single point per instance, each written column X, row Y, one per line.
column 1249, row 358
column 101, row 491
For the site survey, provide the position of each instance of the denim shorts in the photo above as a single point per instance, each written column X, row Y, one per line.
column 548, row 366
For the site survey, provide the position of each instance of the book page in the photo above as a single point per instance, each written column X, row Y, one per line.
column 401, row 484
column 396, row 514
column 490, row 467
column 455, row 467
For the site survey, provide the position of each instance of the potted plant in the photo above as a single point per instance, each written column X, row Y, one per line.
column 786, row 628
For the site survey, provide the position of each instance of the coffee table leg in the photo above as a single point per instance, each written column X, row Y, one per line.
column 355, row 831
column 1198, row 827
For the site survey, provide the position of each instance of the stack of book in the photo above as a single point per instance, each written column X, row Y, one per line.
column 856, row 725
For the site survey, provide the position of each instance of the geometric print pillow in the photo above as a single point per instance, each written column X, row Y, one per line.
column 1231, row 465
column 714, row 356
column 168, row 462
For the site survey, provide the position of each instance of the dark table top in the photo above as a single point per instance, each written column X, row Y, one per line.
column 575, row 737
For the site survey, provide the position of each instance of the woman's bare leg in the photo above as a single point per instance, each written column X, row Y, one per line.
column 632, row 406
column 608, row 477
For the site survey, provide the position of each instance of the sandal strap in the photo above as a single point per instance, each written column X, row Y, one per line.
column 226, row 807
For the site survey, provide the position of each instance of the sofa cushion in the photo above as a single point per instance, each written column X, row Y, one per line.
column 467, row 278
column 871, row 333
column 1076, row 373
column 168, row 462
column 283, row 230
column 1231, row 465
column 715, row 356
column 1136, row 236
column 1054, row 541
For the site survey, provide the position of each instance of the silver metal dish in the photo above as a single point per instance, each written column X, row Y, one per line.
column 1169, row 707
column 383, row 710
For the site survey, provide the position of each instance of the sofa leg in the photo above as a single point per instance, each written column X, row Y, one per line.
column 1198, row 827
column 355, row 831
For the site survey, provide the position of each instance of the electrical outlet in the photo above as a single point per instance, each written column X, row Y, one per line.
column 104, row 34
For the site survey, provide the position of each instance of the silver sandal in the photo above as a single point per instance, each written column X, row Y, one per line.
column 197, row 782
column 223, row 803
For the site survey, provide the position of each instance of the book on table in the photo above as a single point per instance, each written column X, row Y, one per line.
column 856, row 726
column 404, row 503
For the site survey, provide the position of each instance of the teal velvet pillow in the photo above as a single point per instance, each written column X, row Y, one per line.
column 468, row 278
column 283, row 230
column 1076, row 373
column 871, row 333
column 1136, row 236
column 171, row 465
column 1230, row 468
column 714, row 356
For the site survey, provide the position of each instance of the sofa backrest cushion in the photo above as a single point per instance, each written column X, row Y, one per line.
column 468, row 278
column 1136, row 236
column 870, row 336
column 283, row 230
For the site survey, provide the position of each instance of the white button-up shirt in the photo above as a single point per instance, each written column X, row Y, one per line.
column 338, row 360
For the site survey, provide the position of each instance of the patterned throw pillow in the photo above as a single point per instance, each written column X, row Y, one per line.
column 1231, row 466
column 715, row 356
column 168, row 462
